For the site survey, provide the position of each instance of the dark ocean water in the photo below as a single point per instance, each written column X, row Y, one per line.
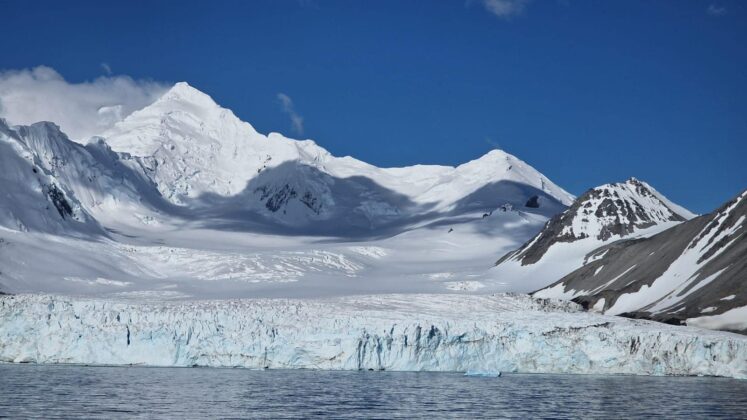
column 107, row 392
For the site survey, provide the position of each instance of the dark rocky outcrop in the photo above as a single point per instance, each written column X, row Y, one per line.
column 717, row 281
column 533, row 202
column 57, row 197
column 615, row 211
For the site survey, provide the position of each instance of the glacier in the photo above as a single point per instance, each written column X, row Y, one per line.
column 183, row 199
column 421, row 332
column 184, row 237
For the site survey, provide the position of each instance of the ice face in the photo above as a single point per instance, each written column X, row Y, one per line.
column 496, row 333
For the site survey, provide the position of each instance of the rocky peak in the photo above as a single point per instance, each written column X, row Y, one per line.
column 610, row 211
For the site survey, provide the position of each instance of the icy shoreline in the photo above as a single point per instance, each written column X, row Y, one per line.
column 495, row 333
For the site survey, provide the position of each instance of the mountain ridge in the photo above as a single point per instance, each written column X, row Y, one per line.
column 601, row 215
column 184, row 163
column 189, row 147
column 693, row 273
column 200, row 157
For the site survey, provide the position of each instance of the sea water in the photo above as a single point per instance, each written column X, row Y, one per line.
column 51, row 391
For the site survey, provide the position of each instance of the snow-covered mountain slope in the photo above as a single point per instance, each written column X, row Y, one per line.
column 176, row 212
column 601, row 215
column 34, row 191
column 496, row 333
column 161, row 261
column 88, row 186
column 694, row 273
column 201, row 155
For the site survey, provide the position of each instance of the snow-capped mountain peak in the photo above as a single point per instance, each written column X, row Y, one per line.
column 680, row 275
column 183, row 114
column 192, row 148
column 617, row 210
column 204, row 159
column 610, row 211
column 601, row 215
column 185, row 91
column 183, row 94
column 498, row 164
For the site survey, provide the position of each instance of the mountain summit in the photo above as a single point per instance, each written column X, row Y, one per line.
column 182, row 198
column 603, row 214
column 693, row 273
column 200, row 154
column 184, row 156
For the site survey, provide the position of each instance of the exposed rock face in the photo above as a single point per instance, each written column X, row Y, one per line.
column 533, row 202
column 37, row 163
column 690, row 273
column 57, row 197
column 607, row 212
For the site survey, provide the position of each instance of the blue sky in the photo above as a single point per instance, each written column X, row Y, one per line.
column 587, row 92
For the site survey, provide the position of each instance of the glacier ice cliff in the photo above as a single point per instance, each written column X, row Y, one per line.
column 489, row 333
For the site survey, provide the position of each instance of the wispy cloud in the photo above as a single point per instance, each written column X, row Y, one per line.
column 493, row 144
column 296, row 120
column 505, row 9
column 715, row 10
column 107, row 69
column 80, row 109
